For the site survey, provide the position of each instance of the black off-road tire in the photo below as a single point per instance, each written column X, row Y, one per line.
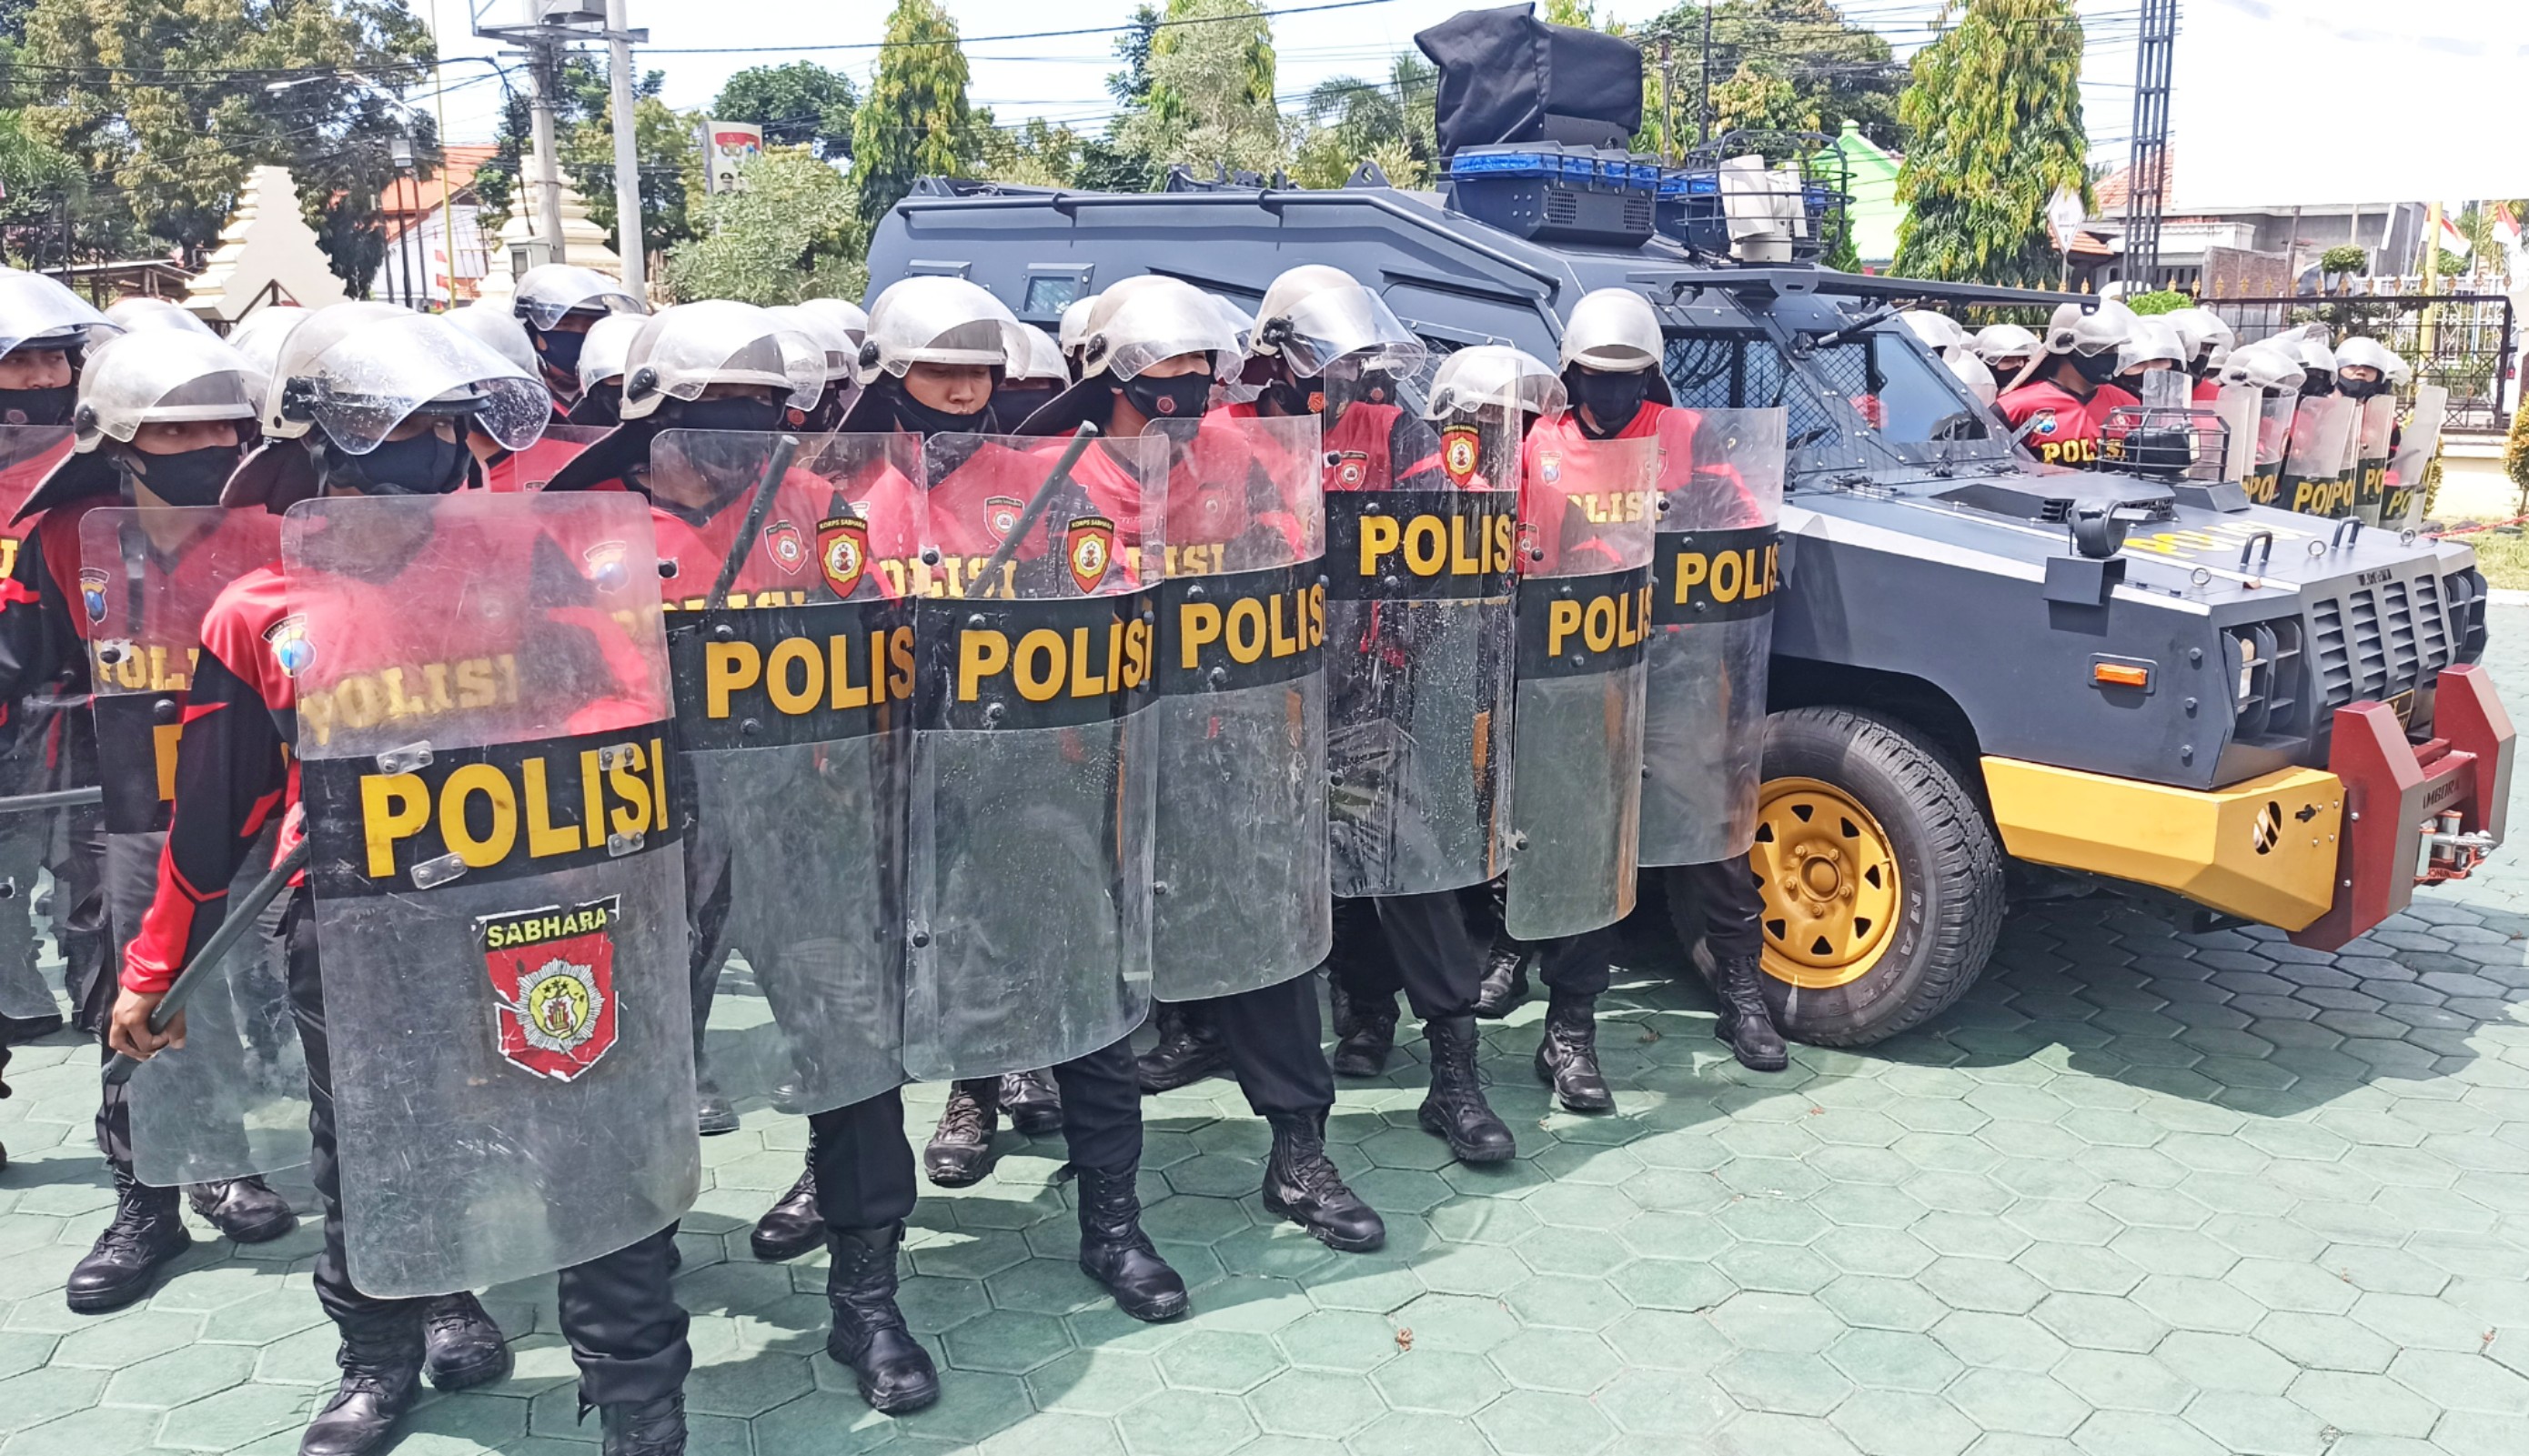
column 1950, row 870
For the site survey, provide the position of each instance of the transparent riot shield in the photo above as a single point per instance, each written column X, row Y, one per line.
column 1239, row 844
column 793, row 713
column 2237, row 405
column 1586, row 514
column 1028, row 888
column 30, row 838
column 1421, row 530
column 2264, row 483
column 232, row 1100
column 484, row 740
column 531, row 468
column 1716, row 567
column 2402, row 501
column 2372, row 434
column 2313, row 472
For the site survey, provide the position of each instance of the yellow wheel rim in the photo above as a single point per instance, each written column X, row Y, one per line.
column 1829, row 877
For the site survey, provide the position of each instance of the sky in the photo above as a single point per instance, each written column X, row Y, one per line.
column 2263, row 77
column 699, row 43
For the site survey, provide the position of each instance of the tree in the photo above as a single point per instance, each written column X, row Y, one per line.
column 1350, row 119
column 1211, row 98
column 664, row 151
column 915, row 121
column 792, row 233
column 582, row 93
column 166, row 103
column 37, row 179
column 1995, row 108
column 1834, row 71
column 1036, row 152
column 800, row 104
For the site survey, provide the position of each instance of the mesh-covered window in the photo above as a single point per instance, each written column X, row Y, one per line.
column 1703, row 371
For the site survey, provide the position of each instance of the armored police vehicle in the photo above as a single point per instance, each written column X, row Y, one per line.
column 1980, row 663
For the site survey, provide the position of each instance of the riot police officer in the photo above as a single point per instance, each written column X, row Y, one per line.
column 1242, row 497
column 2059, row 407
column 559, row 303
column 376, row 403
column 602, row 352
column 2206, row 339
column 159, row 424
column 2005, row 350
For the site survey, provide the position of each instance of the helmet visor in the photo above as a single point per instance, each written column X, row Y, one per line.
column 1160, row 323
column 547, row 294
column 1496, row 376
column 36, row 309
column 362, row 388
column 1333, row 323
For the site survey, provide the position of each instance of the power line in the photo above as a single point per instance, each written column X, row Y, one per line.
column 961, row 41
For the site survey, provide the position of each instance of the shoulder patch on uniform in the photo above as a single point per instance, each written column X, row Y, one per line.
column 784, row 543
column 288, row 639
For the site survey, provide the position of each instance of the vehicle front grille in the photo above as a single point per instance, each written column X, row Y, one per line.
column 2463, row 596
column 2378, row 640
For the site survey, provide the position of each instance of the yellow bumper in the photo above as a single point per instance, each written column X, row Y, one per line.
column 2264, row 849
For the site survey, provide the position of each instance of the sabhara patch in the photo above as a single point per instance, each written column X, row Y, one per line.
column 842, row 548
column 1460, row 449
column 553, row 985
column 1089, row 545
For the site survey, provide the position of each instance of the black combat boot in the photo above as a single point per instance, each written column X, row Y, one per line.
column 1455, row 1108
column 714, row 1113
column 1033, row 1101
column 1364, row 1031
column 1746, row 1022
column 381, row 1379
column 124, row 1265
column 961, row 1146
column 1301, row 1184
column 643, row 1428
column 246, row 1210
column 1189, row 1049
column 462, row 1348
column 19, row 1030
column 1505, row 982
column 791, row 1226
column 1567, row 1057
column 1117, row 1253
column 894, row 1370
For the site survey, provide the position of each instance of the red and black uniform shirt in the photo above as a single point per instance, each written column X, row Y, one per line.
column 2066, row 429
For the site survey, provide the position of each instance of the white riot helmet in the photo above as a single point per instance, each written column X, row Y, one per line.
column 1235, row 390
column 1073, row 331
column 1102, row 308
column 2154, row 342
column 549, row 290
column 1612, row 331
column 1973, row 374
column 138, row 313
column 2207, row 338
column 842, row 350
column 607, row 347
column 842, row 314
column 1495, row 376
column 2264, row 368
column 260, row 335
column 1158, row 318
column 1287, row 290
column 1939, row 331
column 167, row 379
column 1043, row 363
column 933, row 320
column 2307, row 346
column 2091, row 337
column 686, row 349
column 2001, row 344
column 2361, row 352
column 37, row 312
column 500, row 331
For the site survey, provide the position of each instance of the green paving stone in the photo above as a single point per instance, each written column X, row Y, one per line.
column 2262, row 1425
column 2229, row 1363
column 1246, row 1302
column 1675, row 1284
column 2324, row 1343
column 1317, row 1403
column 1413, row 1433
column 1668, row 1340
column 1094, row 1382
column 843, row 1424
column 234, row 1417
column 1444, row 1381
column 137, row 1335
column 2352, row 1401
column 1898, row 1422
column 2115, row 1381
column 1338, row 1340
column 41, row 1396
column 1559, row 1360
column 1534, row 1423
column 1985, row 1284
column 1008, row 1342
column 101, row 1432
column 2125, row 1433
column 1770, row 1381
column 972, row 1406
column 1221, row 1361
column 2456, row 1382
column 1473, row 1270
column 177, row 1376
column 1588, row 1253
column 1894, row 1360
column 1786, row 1322
column 1657, row 1403
column 1185, row 1423
column 2018, row 1401
column 1767, row 1434
column 1041, row 1435
column 1778, row 1268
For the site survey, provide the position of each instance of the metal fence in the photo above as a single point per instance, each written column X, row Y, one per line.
column 2461, row 341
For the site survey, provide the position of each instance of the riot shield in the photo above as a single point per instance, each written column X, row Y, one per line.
column 1028, row 889
column 1716, row 567
column 1239, row 844
column 232, row 1100
column 1422, row 536
column 531, row 468
column 1587, row 513
column 2313, row 470
column 2401, row 503
column 2372, row 434
column 794, row 708
column 2264, row 481
column 2237, row 405
column 29, row 839
column 484, row 741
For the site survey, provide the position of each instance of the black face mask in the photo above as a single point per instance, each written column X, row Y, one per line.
column 1297, row 397
column 1013, row 404
column 1179, row 397
column 739, row 413
column 2355, row 389
column 920, row 418
column 2096, row 368
column 2317, row 383
column 188, row 477
column 603, row 404
column 424, row 465
column 558, row 349
column 37, row 407
column 1612, row 399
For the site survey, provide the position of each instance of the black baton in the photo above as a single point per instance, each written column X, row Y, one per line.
column 241, row 919
column 786, row 449
column 1036, row 506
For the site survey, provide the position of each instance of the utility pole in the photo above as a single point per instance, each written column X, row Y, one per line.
column 545, row 62
column 627, row 155
column 1703, row 93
